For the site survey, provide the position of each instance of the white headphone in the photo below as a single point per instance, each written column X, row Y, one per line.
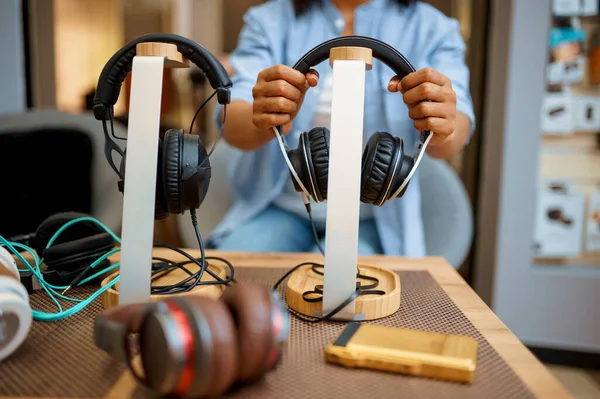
column 15, row 311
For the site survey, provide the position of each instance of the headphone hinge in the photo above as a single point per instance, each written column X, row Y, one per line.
column 223, row 95
column 101, row 112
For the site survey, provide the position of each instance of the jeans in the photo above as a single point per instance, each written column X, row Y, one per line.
column 277, row 230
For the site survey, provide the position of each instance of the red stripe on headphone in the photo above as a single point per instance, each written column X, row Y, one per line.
column 187, row 339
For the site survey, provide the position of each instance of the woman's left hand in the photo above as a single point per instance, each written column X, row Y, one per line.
column 431, row 102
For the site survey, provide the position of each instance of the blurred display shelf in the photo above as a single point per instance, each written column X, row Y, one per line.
column 550, row 137
column 575, row 157
column 584, row 260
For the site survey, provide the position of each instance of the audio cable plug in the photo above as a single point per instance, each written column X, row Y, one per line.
column 306, row 200
column 76, row 280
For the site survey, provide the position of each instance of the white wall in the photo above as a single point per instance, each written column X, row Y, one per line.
column 12, row 73
column 544, row 305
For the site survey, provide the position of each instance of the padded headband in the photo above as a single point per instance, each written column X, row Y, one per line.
column 119, row 65
column 381, row 51
column 76, row 232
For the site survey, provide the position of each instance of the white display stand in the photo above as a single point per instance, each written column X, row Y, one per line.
column 140, row 184
column 140, row 167
column 343, row 189
column 350, row 64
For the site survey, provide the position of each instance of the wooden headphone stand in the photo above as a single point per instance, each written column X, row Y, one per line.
column 367, row 307
column 343, row 197
column 139, row 196
column 110, row 297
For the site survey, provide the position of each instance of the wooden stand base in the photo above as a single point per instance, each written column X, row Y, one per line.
column 367, row 307
column 110, row 297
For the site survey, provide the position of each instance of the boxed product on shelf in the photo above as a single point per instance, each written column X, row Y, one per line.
column 588, row 7
column 586, row 113
column 565, row 7
column 574, row 7
column 566, row 72
column 567, row 59
column 593, row 224
column 557, row 113
column 559, row 220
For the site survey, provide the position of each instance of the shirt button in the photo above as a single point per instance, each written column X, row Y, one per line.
column 339, row 23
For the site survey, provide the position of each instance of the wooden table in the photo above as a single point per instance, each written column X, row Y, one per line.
column 533, row 373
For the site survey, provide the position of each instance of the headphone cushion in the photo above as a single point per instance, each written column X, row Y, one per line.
column 75, row 253
column 8, row 262
column 250, row 306
column 14, row 299
column 171, row 169
column 220, row 346
column 377, row 157
column 319, row 154
column 15, row 287
column 53, row 223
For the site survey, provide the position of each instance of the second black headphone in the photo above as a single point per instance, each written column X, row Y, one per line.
column 183, row 170
column 386, row 168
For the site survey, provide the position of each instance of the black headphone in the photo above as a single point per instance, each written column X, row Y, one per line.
column 183, row 170
column 76, row 248
column 386, row 169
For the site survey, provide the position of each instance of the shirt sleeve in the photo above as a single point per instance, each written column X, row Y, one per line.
column 254, row 52
column 448, row 57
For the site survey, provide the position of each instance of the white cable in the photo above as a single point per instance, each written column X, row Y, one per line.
column 420, row 150
column 280, row 140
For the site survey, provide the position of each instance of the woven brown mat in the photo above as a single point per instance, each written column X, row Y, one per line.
column 59, row 359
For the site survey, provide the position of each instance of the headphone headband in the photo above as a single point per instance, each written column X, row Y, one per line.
column 119, row 65
column 382, row 51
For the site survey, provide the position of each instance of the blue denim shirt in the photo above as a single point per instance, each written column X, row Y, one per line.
column 273, row 34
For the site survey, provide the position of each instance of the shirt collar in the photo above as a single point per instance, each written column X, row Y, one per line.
column 334, row 16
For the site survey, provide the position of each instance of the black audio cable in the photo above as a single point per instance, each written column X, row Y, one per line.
column 312, row 223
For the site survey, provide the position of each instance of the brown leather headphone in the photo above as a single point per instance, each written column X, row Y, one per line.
column 194, row 346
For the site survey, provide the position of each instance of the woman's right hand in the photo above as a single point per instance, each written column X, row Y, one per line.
column 278, row 96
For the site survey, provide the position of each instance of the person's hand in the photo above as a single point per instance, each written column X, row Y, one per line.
column 278, row 95
column 431, row 102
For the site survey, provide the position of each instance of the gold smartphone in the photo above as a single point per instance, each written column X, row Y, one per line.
column 399, row 350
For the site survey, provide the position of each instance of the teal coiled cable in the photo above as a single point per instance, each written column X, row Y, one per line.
column 50, row 289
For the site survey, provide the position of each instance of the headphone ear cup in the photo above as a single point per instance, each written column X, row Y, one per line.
column 15, row 311
column 222, row 347
column 316, row 144
column 378, row 156
column 171, row 165
column 299, row 164
column 250, row 306
column 406, row 165
column 204, row 363
column 195, row 173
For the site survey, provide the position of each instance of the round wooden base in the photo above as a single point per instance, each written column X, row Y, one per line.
column 368, row 306
column 110, row 297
